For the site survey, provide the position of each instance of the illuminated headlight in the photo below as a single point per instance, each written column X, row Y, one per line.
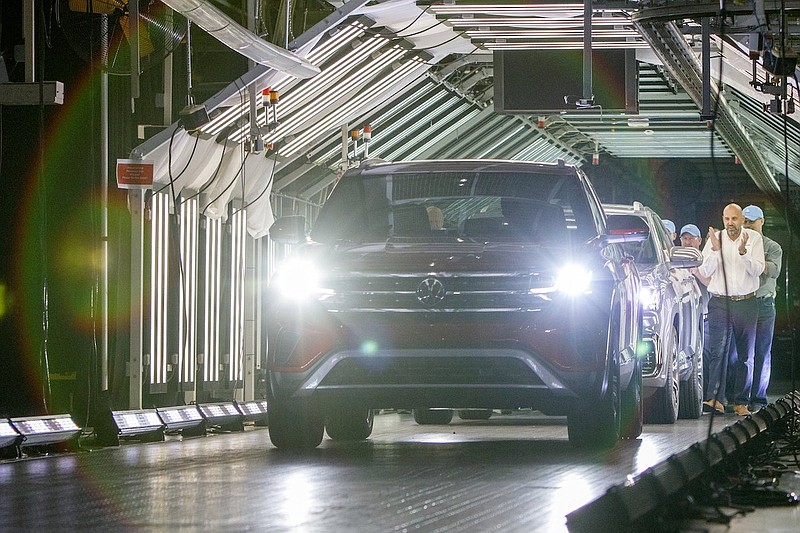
column 297, row 278
column 648, row 297
column 573, row 279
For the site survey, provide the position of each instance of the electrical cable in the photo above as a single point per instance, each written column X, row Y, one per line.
column 401, row 30
column 44, row 356
column 169, row 169
column 792, row 328
column 453, row 38
column 233, row 182
column 269, row 182
column 2, row 109
column 207, row 184
column 241, row 167
column 95, row 288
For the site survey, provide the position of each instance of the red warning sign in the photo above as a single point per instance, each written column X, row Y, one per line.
column 134, row 174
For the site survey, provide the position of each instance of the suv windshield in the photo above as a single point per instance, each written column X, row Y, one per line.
column 644, row 253
column 537, row 208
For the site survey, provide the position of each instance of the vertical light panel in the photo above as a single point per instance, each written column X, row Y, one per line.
column 236, row 341
column 211, row 303
column 159, row 290
column 187, row 325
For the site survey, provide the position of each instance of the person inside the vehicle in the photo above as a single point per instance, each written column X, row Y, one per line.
column 435, row 218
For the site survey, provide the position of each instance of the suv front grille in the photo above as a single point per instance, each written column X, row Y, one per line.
column 372, row 371
column 467, row 292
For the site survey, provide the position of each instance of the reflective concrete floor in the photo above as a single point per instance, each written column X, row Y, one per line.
column 514, row 472
column 511, row 473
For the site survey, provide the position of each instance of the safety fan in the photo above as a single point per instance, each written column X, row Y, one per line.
column 91, row 25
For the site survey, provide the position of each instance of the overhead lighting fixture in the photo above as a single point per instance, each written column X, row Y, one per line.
column 184, row 418
column 141, row 424
column 46, row 430
column 223, row 415
column 237, row 38
column 255, row 411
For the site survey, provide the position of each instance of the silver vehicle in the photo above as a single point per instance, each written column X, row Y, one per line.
column 673, row 321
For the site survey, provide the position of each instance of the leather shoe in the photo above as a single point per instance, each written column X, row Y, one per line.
column 714, row 405
column 741, row 410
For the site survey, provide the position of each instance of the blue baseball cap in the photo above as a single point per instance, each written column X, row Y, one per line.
column 752, row 212
column 670, row 225
column 691, row 229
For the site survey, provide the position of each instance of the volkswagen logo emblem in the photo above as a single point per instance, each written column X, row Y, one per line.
column 430, row 292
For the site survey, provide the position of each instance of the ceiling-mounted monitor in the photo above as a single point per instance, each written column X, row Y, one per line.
column 551, row 81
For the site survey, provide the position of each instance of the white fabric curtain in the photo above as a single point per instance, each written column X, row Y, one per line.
column 221, row 173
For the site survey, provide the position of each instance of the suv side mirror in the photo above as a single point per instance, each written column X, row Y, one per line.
column 685, row 257
column 625, row 228
column 288, row 230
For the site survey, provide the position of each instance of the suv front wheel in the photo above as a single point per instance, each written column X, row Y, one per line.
column 597, row 425
column 691, row 398
column 292, row 427
column 662, row 407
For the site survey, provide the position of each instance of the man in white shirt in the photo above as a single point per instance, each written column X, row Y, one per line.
column 733, row 260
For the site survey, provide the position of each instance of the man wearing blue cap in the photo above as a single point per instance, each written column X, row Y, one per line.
column 765, row 295
column 670, row 225
column 690, row 236
column 733, row 260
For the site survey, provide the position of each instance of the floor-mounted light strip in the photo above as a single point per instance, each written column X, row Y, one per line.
column 45, row 430
column 8, row 435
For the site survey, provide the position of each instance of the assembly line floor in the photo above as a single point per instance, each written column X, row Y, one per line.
column 514, row 472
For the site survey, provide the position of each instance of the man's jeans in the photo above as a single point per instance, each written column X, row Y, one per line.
column 762, row 361
column 731, row 322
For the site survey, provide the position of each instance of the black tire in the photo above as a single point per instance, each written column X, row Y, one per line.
column 350, row 425
column 433, row 416
column 597, row 424
column 475, row 414
column 632, row 406
column 292, row 427
column 691, row 402
column 662, row 407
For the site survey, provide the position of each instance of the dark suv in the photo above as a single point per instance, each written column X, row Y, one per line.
column 673, row 320
column 442, row 285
